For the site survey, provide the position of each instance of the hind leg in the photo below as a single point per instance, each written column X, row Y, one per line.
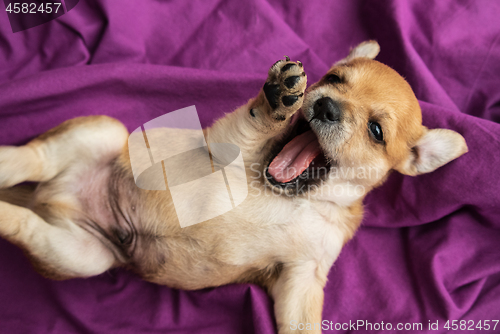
column 59, row 249
column 75, row 141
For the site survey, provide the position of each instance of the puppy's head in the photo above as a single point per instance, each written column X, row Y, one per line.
column 360, row 121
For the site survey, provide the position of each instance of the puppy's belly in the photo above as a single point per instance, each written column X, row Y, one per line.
column 100, row 205
column 142, row 229
column 216, row 252
column 139, row 226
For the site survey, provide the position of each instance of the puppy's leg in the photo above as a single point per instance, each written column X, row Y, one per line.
column 298, row 298
column 76, row 140
column 265, row 116
column 57, row 247
column 58, row 250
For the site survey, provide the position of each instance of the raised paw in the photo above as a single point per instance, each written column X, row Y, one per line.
column 284, row 88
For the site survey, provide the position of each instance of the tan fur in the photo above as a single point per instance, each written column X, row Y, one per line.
column 87, row 215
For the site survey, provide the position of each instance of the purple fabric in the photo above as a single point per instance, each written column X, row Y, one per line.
column 429, row 247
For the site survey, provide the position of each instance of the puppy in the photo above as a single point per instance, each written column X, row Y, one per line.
column 307, row 173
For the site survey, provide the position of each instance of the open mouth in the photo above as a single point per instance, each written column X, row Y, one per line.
column 298, row 160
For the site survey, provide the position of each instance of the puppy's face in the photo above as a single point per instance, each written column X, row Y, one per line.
column 358, row 122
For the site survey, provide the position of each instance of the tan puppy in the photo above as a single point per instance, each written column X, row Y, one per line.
column 357, row 124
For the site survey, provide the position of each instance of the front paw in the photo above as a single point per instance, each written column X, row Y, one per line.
column 284, row 89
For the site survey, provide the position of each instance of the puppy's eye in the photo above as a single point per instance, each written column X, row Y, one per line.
column 376, row 131
column 333, row 78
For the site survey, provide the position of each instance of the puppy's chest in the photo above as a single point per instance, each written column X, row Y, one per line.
column 289, row 232
column 320, row 237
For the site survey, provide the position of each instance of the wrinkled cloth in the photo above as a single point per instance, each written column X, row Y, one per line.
column 429, row 246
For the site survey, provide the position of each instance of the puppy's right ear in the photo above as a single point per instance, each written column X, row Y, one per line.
column 368, row 49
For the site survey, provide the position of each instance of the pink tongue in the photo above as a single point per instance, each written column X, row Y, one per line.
column 295, row 157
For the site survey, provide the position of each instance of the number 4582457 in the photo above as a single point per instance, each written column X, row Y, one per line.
column 470, row 325
column 33, row 8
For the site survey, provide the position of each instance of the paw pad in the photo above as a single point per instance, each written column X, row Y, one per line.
column 286, row 84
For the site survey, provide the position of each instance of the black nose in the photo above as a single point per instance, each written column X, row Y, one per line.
column 327, row 110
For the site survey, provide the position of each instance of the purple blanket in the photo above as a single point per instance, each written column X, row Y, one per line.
column 429, row 247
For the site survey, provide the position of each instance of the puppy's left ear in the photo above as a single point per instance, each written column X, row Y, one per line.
column 367, row 49
column 434, row 149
